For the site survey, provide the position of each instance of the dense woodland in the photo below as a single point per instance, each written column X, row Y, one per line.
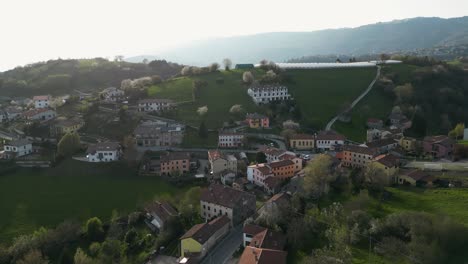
column 59, row 77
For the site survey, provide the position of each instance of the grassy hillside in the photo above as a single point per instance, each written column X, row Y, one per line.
column 58, row 77
column 377, row 104
column 320, row 94
column 31, row 198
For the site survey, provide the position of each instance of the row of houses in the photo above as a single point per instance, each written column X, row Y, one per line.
column 324, row 140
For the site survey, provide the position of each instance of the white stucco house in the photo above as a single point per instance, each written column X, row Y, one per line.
column 104, row 152
column 41, row 101
column 17, row 148
column 155, row 105
column 230, row 140
column 268, row 93
column 40, row 114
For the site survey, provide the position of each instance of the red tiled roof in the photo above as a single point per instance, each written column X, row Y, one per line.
column 269, row 239
column 330, row 137
column 272, row 182
column 226, row 196
column 374, row 120
column 175, row 156
column 253, row 229
column 388, row 160
column 281, row 163
column 252, row 255
column 34, row 112
column 202, row 232
column 360, row 150
column 381, row 143
column 162, row 209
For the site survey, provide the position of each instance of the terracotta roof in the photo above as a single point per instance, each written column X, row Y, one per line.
column 162, row 209
column 272, row 182
column 215, row 154
column 175, row 156
column 440, row 139
column 41, row 97
column 360, row 150
column 278, row 198
column 103, row 146
column 287, row 156
column 226, row 196
column 374, row 120
column 202, row 232
column 303, row 137
column 34, row 112
column 388, row 160
column 265, row 170
column 252, row 255
column 269, row 239
column 253, row 229
column 417, row 175
column 330, row 137
column 281, row 163
column 271, row 151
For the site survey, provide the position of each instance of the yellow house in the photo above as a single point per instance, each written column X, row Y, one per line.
column 408, row 144
column 302, row 142
column 202, row 237
column 389, row 164
column 64, row 126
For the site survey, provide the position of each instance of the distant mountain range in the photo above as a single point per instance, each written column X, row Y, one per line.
column 389, row 37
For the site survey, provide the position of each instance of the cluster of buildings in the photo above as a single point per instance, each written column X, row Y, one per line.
column 264, row 94
column 224, row 207
column 158, row 134
column 322, row 141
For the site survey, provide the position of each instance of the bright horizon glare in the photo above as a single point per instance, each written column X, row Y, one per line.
column 49, row 29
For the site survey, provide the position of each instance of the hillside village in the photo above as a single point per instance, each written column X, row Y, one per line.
column 251, row 165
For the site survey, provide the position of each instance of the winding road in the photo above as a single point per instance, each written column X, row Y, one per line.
column 357, row 100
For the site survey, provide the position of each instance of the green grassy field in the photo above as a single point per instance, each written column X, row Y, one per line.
column 445, row 202
column 322, row 93
column 30, row 198
column 319, row 93
column 193, row 140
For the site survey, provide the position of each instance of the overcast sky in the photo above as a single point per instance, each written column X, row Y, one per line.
column 34, row 30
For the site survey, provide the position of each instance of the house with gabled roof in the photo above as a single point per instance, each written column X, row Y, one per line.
column 160, row 213
column 217, row 200
column 263, row 246
column 41, row 101
column 104, row 152
column 199, row 240
column 302, row 142
column 357, row 156
column 255, row 120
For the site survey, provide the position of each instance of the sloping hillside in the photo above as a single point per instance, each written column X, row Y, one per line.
column 319, row 94
column 399, row 35
column 60, row 77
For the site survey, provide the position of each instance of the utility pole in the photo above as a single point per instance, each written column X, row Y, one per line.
column 370, row 248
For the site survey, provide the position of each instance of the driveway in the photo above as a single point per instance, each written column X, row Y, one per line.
column 225, row 248
column 438, row 165
column 356, row 101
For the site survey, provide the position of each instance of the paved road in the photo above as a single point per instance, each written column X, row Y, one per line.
column 143, row 149
column 275, row 138
column 225, row 248
column 356, row 101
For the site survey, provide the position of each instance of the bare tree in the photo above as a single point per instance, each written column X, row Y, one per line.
column 227, row 64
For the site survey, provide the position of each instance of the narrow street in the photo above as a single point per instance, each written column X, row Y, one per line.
column 224, row 249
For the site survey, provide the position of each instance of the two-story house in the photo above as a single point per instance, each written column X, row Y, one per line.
column 357, row 156
column 63, row 126
column 265, row 94
column 201, row 238
column 103, row 152
column 438, row 146
column 217, row 200
column 41, row 101
column 256, row 120
column 160, row 213
column 230, row 139
column 329, row 141
column 17, row 148
column 302, row 142
column 220, row 162
column 39, row 114
column 383, row 145
column 158, row 134
column 175, row 163
column 155, row 105
column 112, row 95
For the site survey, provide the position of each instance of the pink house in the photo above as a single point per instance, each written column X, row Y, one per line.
column 438, row 146
column 257, row 121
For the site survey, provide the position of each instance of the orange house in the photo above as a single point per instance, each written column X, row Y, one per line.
column 283, row 169
column 175, row 163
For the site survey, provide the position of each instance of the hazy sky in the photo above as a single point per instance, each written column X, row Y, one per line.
column 35, row 30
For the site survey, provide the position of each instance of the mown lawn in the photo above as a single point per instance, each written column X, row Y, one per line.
column 375, row 105
column 322, row 93
column 444, row 202
column 319, row 93
column 31, row 198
